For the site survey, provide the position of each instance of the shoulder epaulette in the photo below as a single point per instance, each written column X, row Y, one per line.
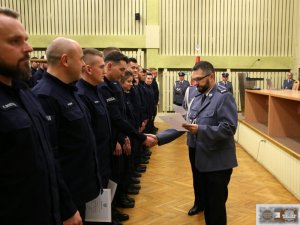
column 221, row 89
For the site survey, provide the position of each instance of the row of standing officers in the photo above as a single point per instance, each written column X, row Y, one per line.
column 61, row 141
column 57, row 140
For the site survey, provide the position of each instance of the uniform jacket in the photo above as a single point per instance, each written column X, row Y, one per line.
column 136, row 100
column 150, row 101
column 37, row 76
column 142, row 89
column 29, row 182
column 179, row 91
column 228, row 85
column 72, row 137
column 100, row 120
column 130, row 110
column 168, row 135
column 217, row 121
column 288, row 84
column 114, row 98
column 155, row 88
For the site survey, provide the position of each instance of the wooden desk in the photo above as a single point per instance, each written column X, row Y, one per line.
column 270, row 132
column 275, row 113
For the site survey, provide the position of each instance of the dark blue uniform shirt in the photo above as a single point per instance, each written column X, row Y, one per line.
column 100, row 123
column 113, row 95
column 72, row 137
column 29, row 191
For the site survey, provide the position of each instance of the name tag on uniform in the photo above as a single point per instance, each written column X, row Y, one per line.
column 111, row 99
column 69, row 105
column 9, row 106
column 96, row 102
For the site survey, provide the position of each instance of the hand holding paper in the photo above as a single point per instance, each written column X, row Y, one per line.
column 193, row 128
column 175, row 120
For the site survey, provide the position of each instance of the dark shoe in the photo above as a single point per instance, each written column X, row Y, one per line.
column 147, row 153
column 145, row 157
column 120, row 216
column 136, row 174
column 132, row 191
column 130, row 199
column 144, row 161
column 135, row 186
column 142, row 166
column 135, row 180
column 195, row 210
column 124, row 203
column 140, row 169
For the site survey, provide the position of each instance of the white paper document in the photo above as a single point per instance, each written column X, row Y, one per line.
column 113, row 187
column 179, row 109
column 175, row 120
column 99, row 209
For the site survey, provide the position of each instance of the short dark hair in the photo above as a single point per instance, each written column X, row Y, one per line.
column 116, row 57
column 205, row 66
column 108, row 50
column 9, row 12
column 131, row 59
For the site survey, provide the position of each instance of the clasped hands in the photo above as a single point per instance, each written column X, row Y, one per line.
column 150, row 141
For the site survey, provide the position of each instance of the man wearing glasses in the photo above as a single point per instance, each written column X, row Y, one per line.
column 213, row 122
column 213, row 117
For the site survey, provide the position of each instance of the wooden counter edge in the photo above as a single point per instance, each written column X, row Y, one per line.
column 284, row 148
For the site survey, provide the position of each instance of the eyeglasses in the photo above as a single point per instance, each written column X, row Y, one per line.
column 197, row 79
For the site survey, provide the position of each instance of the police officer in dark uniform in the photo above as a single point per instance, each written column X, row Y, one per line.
column 73, row 138
column 31, row 189
column 115, row 67
column 155, row 88
column 92, row 75
column 151, row 107
column 179, row 89
column 225, row 83
column 143, row 93
column 38, row 75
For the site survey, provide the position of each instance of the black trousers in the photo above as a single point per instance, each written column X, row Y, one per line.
column 198, row 189
column 215, row 189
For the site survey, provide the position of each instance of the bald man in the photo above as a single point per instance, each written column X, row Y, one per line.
column 72, row 136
